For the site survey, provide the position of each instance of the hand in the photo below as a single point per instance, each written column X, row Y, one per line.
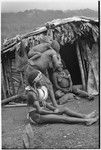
column 56, row 110
column 76, row 97
column 91, row 97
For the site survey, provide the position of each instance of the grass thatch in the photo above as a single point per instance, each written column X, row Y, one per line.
column 65, row 31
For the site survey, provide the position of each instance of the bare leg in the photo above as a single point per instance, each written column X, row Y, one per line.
column 81, row 93
column 65, row 119
column 59, row 94
column 69, row 112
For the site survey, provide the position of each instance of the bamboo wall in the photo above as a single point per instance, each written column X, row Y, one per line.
column 11, row 78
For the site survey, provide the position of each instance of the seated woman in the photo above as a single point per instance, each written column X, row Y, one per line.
column 63, row 84
column 44, row 112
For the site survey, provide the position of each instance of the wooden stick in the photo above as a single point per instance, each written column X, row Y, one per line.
column 15, row 105
column 9, row 49
column 29, row 131
column 36, row 32
column 10, row 99
column 92, row 63
column 10, row 75
column 9, row 46
column 3, row 83
column 5, row 66
column 3, row 91
column 81, row 67
column 15, row 79
column 25, row 140
column 83, row 64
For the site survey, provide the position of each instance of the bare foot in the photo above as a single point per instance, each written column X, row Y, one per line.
column 91, row 121
column 91, row 97
column 91, row 115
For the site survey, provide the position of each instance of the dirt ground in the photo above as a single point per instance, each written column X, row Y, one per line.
column 51, row 136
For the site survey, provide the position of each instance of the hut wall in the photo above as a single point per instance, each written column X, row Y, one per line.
column 85, row 62
column 17, row 77
column 5, row 75
column 93, row 76
column 3, row 86
column 91, row 57
column 11, row 77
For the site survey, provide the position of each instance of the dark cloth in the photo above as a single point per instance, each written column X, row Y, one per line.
column 34, row 116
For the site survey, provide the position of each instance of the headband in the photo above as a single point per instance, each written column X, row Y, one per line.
column 37, row 78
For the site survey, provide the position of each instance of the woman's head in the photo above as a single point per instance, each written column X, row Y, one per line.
column 60, row 68
column 34, row 77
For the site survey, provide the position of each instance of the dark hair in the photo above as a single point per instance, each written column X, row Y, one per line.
column 38, row 84
column 31, row 97
column 32, row 75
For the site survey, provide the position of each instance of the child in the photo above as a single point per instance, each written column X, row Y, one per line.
column 63, row 84
column 44, row 112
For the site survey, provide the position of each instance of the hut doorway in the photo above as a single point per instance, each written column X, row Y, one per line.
column 69, row 56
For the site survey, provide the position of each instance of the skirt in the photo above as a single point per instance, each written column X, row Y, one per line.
column 33, row 116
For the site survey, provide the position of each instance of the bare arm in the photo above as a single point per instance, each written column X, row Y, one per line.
column 67, row 73
column 56, row 83
column 52, row 96
column 35, row 55
column 31, row 60
column 49, row 86
column 41, row 110
column 70, row 79
column 33, row 101
column 49, row 106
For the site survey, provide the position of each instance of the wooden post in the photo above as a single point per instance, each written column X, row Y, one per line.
column 81, row 66
column 84, row 58
column 92, row 63
column 84, row 62
column 15, row 105
column 10, row 75
column 25, row 141
column 3, row 83
column 22, row 84
column 4, row 68
column 4, row 101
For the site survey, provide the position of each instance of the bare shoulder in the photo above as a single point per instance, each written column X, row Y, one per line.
column 55, row 74
column 66, row 71
column 36, row 103
column 46, row 82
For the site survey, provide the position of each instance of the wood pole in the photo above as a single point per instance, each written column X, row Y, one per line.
column 81, row 67
column 3, row 83
column 10, row 75
column 4, row 101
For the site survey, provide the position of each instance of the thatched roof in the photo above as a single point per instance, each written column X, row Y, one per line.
column 65, row 31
